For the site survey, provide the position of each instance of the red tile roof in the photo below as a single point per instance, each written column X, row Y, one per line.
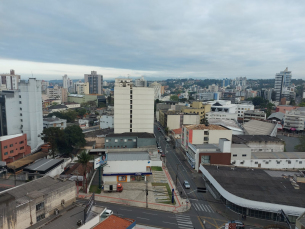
column 177, row 131
column 114, row 222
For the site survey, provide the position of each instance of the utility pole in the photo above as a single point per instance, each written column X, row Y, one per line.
column 146, row 193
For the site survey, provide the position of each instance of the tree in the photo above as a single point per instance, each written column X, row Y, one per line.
column 258, row 101
column 301, row 146
column 81, row 112
column 54, row 103
column 292, row 102
column 52, row 135
column 75, row 136
column 174, row 98
column 83, row 159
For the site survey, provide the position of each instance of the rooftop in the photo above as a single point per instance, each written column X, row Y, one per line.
column 227, row 123
column 51, row 119
column 43, row 165
column 278, row 155
column 26, row 160
column 177, row 131
column 128, row 156
column 116, row 222
column 278, row 115
column 206, row 146
column 255, row 127
column 243, row 139
column 204, row 127
column 7, row 137
column 58, row 106
column 78, row 169
column 254, row 112
column 128, row 134
column 76, row 95
column 258, row 185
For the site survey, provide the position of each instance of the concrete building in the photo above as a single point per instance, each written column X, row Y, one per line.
column 13, row 147
column 221, row 116
column 175, row 119
column 294, row 120
column 157, row 90
column 82, row 88
column 95, row 83
column 213, row 88
column 133, row 107
column 57, row 108
column 284, row 108
column 255, row 193
column 226, row 82
column 83, row 123
column 282, row 81
column 255, row 127
column 198, row 108
column 130, row 140
column 106, row 121
column 260, row 143
column 9, row 81
column 205, row 96
column 223, row 106
column 54, row 92
column 74, row 98
column 202, row 134
column 21, row 112
column 64, row 95
column 140, row 82
column 254, row 114
column 128, row 166
column 242, row 108
column 44, row 85
column 54, row 122
column 65, row 81
column 30, row 203
column 229, row 124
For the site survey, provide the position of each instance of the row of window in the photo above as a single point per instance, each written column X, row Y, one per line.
column 122, row 140
column 12, row 151
column 244, row 155
column 11, row 145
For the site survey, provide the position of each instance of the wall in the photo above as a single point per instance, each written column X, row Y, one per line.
column 266, row 146
column 190, row 119
column 99, row 141
column 272, row 163
column 283, row 109
column 173, row 122
column 106, row 122
column 239, row 152
column 129, row 142
column 217, row 158
column 126, row 166
column 214, row 135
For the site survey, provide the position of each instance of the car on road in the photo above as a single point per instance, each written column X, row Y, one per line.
column 238, row 223
column 160, row 150
column 163, row 155
column 159, row 129
column 108, row 212
column 186, row 184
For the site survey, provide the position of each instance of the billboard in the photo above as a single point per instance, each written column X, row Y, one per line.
column 102, row 160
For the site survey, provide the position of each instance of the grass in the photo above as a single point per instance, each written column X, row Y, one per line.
column 169, row 191
column 156, row 168
column 95, row 189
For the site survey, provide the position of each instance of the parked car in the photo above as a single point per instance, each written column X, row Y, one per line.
column 160, row 150
column 239, row 224
column 186, row 184
column 163, row 155
column 108, row 212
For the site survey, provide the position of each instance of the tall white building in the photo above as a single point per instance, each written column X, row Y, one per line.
column 10, row 80
column 140, row 82
column 157, row 89
column 133, row 107
column 21, row 112
column 65, row 81
column 282, row 82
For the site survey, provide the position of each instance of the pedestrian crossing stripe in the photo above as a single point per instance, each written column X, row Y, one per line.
column 184, row 221
column 203, row 207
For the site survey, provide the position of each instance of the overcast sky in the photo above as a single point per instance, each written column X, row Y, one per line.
column 168, row 39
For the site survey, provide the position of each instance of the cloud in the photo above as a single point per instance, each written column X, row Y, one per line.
column 164, row 38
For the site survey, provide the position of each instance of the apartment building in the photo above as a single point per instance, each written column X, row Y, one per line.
column 157, row 89
column 202, row 134
column 9, row 81
column 65, row 81
column 282, row 81
column 13, row 147
column 254, row 114
column 198, row 108
column 140, row 82
column 175, row 119
column 294, row 120
column 242, row 108
column 221, row 116
column 204, row 96
column 82, row 88
column 95, row 82
column 54, row 92
column 133, row 107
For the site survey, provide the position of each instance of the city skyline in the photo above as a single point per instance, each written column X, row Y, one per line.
column 187, row 40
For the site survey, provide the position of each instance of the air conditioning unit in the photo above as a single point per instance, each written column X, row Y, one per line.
column 63, row 203
column 56, row 211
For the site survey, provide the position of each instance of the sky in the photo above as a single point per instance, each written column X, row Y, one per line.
column 161, row 39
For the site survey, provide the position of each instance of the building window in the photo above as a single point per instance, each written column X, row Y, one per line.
column 20, row 114
column 11, row 145
column 12, row 151
column 267, row 162
column 205, row 159
column 278, row 162
column 22, row 147
column 206, row 132
column 19, row 96
column 256, row 162
column 6, row 153
column 40, row 217
column 289, row 162
column 260, row 149
column 20, row 108
column 20, row 102
column 39, row 206
column 5, row 147
column 234, row 155
column 21, row 120
column 244, row 155
column 300, row 162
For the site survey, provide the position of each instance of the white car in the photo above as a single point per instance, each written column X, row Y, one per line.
column 108, row 212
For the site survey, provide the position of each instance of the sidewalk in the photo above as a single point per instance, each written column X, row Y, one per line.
column 181, row 204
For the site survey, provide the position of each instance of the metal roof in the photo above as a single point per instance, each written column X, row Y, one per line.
column 255, row 127
column 43, row 165
column 278, row 115
column 128, row 156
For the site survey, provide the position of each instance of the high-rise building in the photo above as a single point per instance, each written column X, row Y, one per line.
column 140, row 82
column 10, row 80
column 133, row 107
column 225, row 82
column 65, row 81
column 282, row 82
column 64, row 95
column 21, row 112
column 157, row 89
column 95, row 82
column 82, row 88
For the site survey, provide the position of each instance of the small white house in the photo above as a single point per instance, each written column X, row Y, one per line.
column 83, row 123
column 106, row 122
column 54, row 122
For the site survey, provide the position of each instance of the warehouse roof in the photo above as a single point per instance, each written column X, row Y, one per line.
column 243, row 139
column 278, row 115
column 128, row 156
column 128, row 134
column 278, row 155
column 26, row 160
column 258, row 185
column 204, row 127
column 44, row 165
column 255, row 127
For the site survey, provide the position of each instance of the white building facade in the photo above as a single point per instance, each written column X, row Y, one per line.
column 133, row 108
column 106, row 122
column 54, row 122
column 221, row 115
column 157, row 89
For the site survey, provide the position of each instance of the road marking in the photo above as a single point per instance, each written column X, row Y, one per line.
column 142, row 218
column 194, row 207
column 211, row 209
column 125, row 209
column 169, row 222
column 192, row 191
column 203, row 208
column 184, row 221
column 208, row 208
column 149, row 213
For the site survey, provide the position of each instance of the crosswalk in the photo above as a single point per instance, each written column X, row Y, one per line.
column 203, row 207
column 184, row 221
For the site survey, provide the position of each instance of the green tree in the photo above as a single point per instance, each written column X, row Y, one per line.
column 81, row 112
column 301, row 146
column 52, row 135
column 292, row 102
column 302, row 104
column 54, row 103
column 83, row 158
column 174, row 98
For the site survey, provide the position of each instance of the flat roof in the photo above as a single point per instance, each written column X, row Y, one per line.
column 204, row 127
column 26, row 160
column 128, row 156
column 243, row 139
column 255, row 127
column 50, row 119
column 205, row 146
column 7, row 137
column 278, row 155
column 139, row 135
column 258, row 185
column 43, row 165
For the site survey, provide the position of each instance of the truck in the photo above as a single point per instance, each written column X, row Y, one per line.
column 113, row 187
